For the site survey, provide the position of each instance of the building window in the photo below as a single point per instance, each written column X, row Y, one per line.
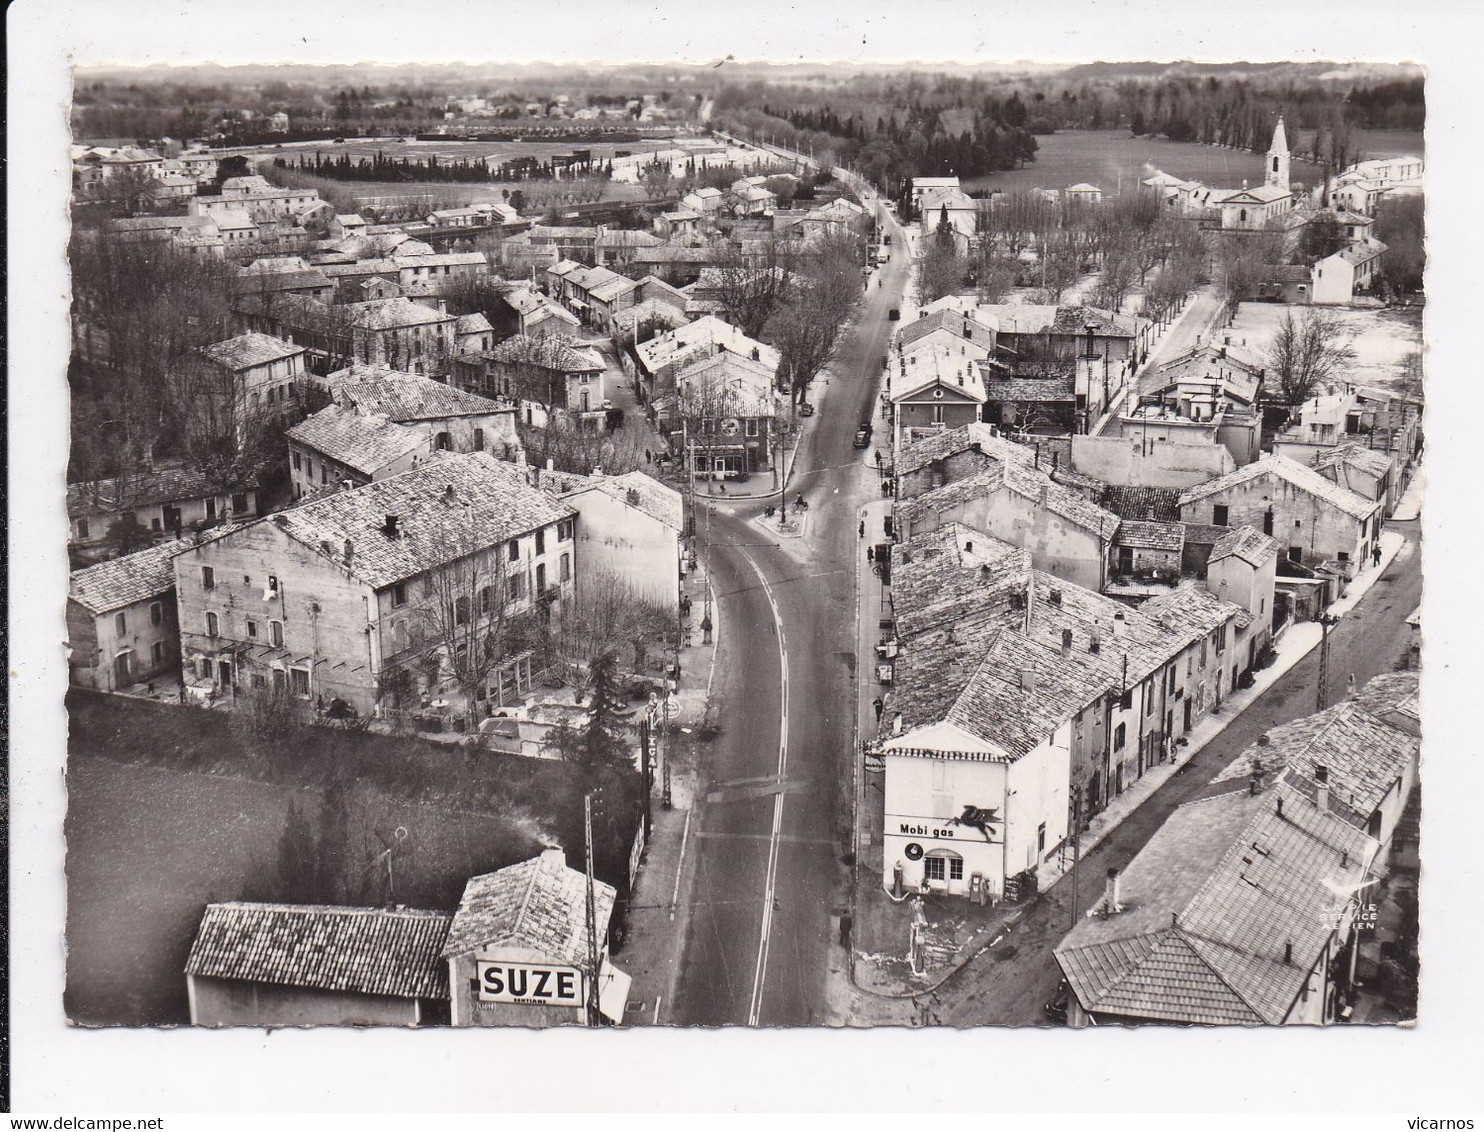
column 275, row 634
column 299, row 682
column 566, row 567
column 212, row 625
column 461, row 611
column 252, row 628
column 272, row 585
column 487, row 601
column 515, row 550
column 154, row 525
column 120, row 623
column 208, row 578
column 934, row 868
column 517, row 586
column 1041, row 839
column 564, row 530
column 239, row 503
column 1119, row 735
column 157, row 653
column 1220, row 514
column 82, row 528
column 541, row 541
column 443, row 443
column 479, row 440
column 203, row 668
column 1126, row 700
column 298, row 462
column 156, row 613
column 399, row 595
column 752, row 427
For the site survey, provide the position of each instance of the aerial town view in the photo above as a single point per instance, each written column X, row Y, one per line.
column 716, row 544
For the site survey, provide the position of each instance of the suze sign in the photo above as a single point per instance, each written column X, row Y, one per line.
column 529, row 984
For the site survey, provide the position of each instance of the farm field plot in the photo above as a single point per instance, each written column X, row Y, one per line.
column 1382, row 339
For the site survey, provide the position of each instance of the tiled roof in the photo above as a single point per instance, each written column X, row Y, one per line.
column 1037, row 318
column 1225, row 912
column 403, row 397
column 1193, row 609
column 140, row 489
column 1030, row 483
column 490, row 503
column 367, row 443
column 952, row 321
column 123, row 581
column 392, row 314
column 1152, row 504
column 1150, row 536
column 1304, row 478
column 751, row 382
column 644, row 492
column 1031, row 388
column 1362, row 251
column 699, row 339
column 375, row 951
column 957, row 590
column 248, row 350
column 1247, row 543
column 539, row 905
column 950, row 442
column 1366, row 459
column 472, row 324
column 551, row 354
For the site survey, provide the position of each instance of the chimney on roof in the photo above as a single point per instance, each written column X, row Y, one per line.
column 1321, row 783
column 896, row 724
column 1111, row 906
column 1288, row 951
column 555, row 854
column 1027, row 679
column 448, row 493
column 968, row 546
column 1054, row 597
column 391, row 526
column 1045, row 488
column 350, row 553
column 1120, row 624
column 1095, row 640
column 1066, row 643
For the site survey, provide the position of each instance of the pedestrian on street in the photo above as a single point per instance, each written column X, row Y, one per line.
column 1376, row 555
column 863, row 528
column 870, row 553
column 880, row 705
column 648, row 456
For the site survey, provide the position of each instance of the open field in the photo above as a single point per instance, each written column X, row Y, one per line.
column 1113, row 160
column 1382, row 339
column 158, row 826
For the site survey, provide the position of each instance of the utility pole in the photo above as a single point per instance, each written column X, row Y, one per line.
column 1076, row 846
column 1326, row 620
column 592, row 917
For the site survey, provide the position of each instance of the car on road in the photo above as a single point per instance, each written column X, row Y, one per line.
column 866, row 427
column 894, row 314
column 862, row 438
column 806, row 409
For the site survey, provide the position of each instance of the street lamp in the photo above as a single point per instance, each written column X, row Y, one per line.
column 1326, row 621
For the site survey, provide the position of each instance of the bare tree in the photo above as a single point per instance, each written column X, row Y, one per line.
column 942, row 268
column 1306, row 353
column 751, row 285
column 807, row 328
column 1245, row 261
column 609, row 609
column 463, row 622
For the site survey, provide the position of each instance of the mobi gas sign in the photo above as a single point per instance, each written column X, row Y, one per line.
column 529, row 984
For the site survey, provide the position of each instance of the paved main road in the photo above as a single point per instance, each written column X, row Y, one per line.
column 765, row 873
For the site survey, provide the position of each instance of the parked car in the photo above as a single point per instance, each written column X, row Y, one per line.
column 806, row 409
column 862, row 438
column 894, row 314
column 866, row 427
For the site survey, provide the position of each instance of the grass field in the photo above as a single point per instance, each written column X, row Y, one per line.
column 1112, row 158
column 159, row 825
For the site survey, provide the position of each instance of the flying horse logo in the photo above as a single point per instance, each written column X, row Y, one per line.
column 980, row 819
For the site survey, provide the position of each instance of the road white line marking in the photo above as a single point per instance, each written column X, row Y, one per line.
column 679, row 864
column 657, row 1009
column 771, row 886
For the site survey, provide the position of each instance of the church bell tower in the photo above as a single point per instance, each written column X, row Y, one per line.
column 1277, row 167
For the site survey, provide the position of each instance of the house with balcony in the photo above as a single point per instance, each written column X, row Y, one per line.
column 353, row 596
